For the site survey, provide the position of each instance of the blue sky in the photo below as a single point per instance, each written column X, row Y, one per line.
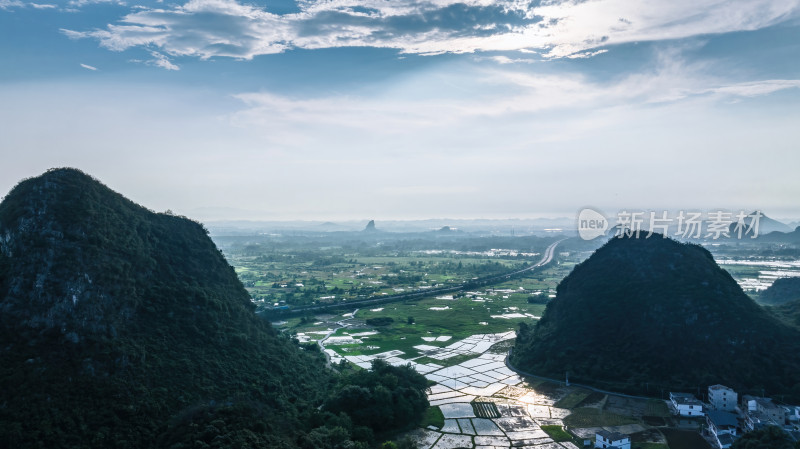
column 337, row 109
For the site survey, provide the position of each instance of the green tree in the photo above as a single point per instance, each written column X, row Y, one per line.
column 772, row 437
column 386, row 398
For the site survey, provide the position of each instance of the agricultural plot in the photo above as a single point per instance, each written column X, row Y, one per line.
column 485, row 404
column 486, row 409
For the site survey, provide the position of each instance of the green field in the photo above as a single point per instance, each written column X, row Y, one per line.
column 482, row 311
column 572, row 399
column 684, row 439
column 657, row 408
column 461, row 319
column 433, row 417
column 649, row 446
column 557, row 433
column 593, row 417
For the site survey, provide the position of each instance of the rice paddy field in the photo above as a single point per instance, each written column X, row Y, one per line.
column 418, row 326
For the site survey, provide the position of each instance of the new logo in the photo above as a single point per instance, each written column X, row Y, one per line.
column 591, row 224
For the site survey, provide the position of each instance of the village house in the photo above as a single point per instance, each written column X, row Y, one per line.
column 685, row 404
column 722, row 426
column 722, row 398
column 606, row 439
column 792, row 413
column 761, row 412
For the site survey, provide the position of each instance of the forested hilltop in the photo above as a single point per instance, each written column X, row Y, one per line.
column 121, row 327
column 781, row 291
column 654, row 315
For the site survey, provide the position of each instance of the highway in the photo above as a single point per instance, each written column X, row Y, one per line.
column 547, row 257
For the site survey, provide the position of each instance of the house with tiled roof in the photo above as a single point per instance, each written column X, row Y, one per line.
column 722, row 426
column 685, row 404
column 606, row 439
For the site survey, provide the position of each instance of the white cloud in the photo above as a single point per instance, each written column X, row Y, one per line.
column 500, row 59
column 507, row 102
column 162, row 61
column 81, row 3
column 755, row 88
column 88, row 67
column 586, row 54
column 43, row 6
column 8, row 4
column 208, row 28
column 581, row 26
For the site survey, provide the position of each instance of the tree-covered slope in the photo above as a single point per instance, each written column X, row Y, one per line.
column 789, row 312
column 642, row 315
column 121, row 327
column 781, row 291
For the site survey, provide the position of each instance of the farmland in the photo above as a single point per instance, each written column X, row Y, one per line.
column 328, row 268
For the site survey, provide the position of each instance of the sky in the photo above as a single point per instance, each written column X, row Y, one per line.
column 406, row 109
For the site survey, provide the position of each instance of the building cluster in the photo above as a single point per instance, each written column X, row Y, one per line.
column 726, row 417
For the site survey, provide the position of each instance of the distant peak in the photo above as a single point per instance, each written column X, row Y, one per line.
column 370, row 226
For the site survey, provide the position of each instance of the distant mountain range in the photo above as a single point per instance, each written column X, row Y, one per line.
column 792, row 237
column 654, row 315
column 489, row 226
column 496, row 227
column 766, row 224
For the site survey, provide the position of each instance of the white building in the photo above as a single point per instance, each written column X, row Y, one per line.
column 685, row 404
column 722, row 398
column 606, row 439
